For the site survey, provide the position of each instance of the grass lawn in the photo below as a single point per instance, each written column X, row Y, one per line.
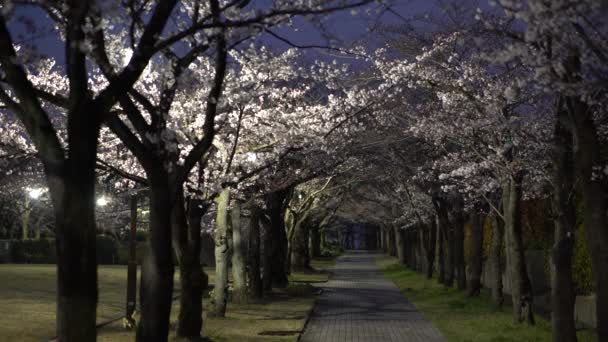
column 460, row 318
column 27, row 299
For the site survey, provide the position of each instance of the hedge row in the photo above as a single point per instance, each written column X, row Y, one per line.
column 43, row 251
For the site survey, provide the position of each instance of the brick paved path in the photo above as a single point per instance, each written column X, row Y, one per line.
column 359, row 304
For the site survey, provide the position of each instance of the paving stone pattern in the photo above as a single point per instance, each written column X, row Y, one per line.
column 359, row 305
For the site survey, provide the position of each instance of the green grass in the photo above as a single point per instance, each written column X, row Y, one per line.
column 461, row 318
column 27, row 299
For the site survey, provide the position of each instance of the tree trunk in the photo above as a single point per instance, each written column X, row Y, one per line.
column 476, row 253
column 588, row 158
column 25, row 220
column 132, row 265
column 430, row 248
column 562, row 285
column 278, row 247
column 187, row 244
column 440, row 254
column 156, row 287
column 76, row 257
column 521, row 289
column 255, row 279
column 447, row 237
column 300, row 260
column 220, row 291
column 400, row 245
column 239, row 293
column 594, row 198
column 267, row 257
column 392, row 245
column 315, row 241
column 459, row 262
column 496, row 263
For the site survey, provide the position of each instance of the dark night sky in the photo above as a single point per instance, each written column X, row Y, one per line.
column 346, row 28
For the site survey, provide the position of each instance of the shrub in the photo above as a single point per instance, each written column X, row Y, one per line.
column 41, row 251
column 331, row 250
column 141, row 235
column 123, row 252
column 106, row 250
column 44, row 251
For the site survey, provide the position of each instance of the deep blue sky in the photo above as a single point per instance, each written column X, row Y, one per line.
column 348, row 29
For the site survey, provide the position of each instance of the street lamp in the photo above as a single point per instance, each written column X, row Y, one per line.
column 102, row 201
column 32, row 194
column 35, row 193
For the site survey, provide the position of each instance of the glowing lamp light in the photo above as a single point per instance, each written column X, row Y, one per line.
column 102, row 201
column 35, row 193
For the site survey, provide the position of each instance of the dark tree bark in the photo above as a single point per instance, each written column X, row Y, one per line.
column 459, row 262
column 562, row 284
column 431, row 240
column 255, row 279
column 440, row 253
column 267, row 256
column 476, row 253
column 76, row 256
column 384, row 240
column 400, row 245
column 392, row 246
column 315, row 241
column 157, row 270
column 276, row 202
column 187, row 245
column 521, row 289
column 447, row 237
column 421, row 248
column 300, row 259
column 588, row 156
column 496, row 255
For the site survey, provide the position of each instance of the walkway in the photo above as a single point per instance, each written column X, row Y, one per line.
column 359, row 304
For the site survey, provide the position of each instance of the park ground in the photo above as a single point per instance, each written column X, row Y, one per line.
column 461, row 318
column 27, row 299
